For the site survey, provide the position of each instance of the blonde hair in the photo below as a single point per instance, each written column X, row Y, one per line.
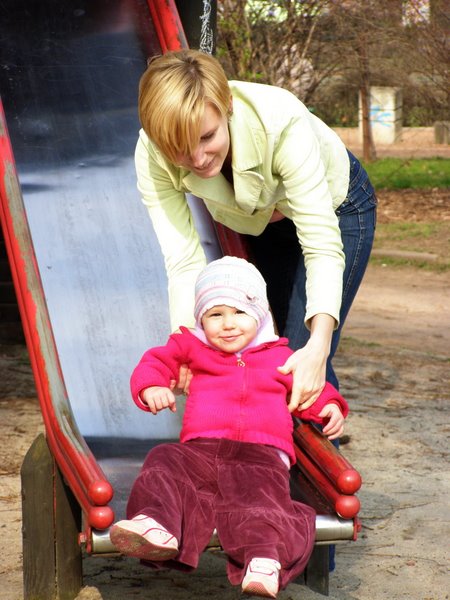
column 173, row 93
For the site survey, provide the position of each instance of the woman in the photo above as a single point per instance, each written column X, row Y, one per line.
column 267, row 168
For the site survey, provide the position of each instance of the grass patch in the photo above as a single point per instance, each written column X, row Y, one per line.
column 348, row 342
column 423, row 238
column 426, row 265
column 398, row 173
column 410, row 232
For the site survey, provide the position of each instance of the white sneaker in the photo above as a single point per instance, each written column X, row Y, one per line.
column 262, row 577
column 143, row 537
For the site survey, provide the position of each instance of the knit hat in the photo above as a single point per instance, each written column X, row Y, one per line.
column 234, row 282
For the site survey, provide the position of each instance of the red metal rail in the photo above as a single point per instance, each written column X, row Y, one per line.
column 85, row 477
column 327, row 458
column 169, row 28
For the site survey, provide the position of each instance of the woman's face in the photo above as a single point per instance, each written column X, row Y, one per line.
column 210, row 154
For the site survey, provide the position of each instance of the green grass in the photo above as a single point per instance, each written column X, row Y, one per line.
column 422, row 238
column 426, row 265
column 392, row 232
column 399, row 173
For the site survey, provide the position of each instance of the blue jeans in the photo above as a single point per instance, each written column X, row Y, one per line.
column 278, row 255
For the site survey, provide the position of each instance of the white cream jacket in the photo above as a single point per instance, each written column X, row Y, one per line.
column 283, row 158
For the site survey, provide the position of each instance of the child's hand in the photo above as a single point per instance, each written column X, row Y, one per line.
column 157, row 398
column 335, row 426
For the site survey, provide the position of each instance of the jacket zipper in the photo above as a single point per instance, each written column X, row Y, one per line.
column 239, row 361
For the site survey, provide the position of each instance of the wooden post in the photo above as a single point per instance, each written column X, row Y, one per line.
column 69, row 571
column 50, row 526
column 37, row 522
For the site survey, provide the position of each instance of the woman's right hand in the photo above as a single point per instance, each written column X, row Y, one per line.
column 184, row 379
column 308, row 365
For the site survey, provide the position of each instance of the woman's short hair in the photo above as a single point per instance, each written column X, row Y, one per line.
column 173, row 93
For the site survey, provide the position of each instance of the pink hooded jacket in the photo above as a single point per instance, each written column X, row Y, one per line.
column 238, row 398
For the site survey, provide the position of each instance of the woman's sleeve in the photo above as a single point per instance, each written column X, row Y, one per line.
column 297, row 159
column 174, row 227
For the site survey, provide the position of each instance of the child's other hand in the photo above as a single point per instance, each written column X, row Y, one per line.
column 335, row 426
column 157, row 398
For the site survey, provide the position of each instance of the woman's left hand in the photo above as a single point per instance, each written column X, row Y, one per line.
column 308, row 370
column 308, row 365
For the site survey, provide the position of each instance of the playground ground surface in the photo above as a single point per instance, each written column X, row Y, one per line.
column 394, row 367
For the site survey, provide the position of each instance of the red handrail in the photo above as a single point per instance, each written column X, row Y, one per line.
column 71, row 452
column 327, row 458
column 168, row 26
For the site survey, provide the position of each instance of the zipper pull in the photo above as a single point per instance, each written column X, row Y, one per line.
column 240, row 362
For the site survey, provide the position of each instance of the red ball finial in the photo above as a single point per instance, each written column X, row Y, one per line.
column 347, row 507
column 100, row 492
column 100, row 517
column 349, row 481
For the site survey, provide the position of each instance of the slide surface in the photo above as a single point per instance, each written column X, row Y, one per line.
column 69, row 83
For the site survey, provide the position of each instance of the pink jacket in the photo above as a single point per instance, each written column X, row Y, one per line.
column 243, row 400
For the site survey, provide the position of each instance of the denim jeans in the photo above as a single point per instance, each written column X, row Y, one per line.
column 278, row 255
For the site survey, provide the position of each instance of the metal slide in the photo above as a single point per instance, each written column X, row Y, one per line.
column 87, row 268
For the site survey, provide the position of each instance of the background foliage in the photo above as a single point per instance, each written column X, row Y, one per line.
column 329, row 51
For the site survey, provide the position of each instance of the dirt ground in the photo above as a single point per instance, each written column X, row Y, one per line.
column 394, row 367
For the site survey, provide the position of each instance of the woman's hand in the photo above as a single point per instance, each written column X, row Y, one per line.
column 335, row 426
column 184, row 379
column 308, row 370
column 157, row 398
column 308, row 365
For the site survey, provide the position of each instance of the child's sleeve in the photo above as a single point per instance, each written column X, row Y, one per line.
column 329, row 395
column 157, row 367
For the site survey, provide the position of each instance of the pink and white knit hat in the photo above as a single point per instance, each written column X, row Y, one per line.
column 234, row 282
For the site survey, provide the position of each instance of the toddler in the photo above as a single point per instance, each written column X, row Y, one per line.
column 230, row 469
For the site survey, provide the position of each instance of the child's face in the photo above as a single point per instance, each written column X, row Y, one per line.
column 228, row 329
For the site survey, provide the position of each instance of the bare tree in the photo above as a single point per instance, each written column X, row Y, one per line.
column 427, row 52
column 273, row 42
column 313, row 46
column 305, row 45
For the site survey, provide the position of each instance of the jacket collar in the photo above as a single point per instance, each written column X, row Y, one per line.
column 247, row 142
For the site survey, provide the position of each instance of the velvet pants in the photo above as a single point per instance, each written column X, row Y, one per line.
column 240, row 489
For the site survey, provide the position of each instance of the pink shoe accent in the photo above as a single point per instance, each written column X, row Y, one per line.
column 143, row 537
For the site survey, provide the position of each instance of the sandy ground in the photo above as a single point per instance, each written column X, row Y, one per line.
column 397, row 384
column 398, row 388
column 394, row 370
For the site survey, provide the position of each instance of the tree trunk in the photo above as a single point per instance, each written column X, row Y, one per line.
column 369, row 152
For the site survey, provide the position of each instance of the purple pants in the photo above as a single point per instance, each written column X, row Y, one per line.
column 238, row 488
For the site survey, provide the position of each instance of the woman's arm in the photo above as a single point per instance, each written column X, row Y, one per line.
column 174, row 227
column 310, row 204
